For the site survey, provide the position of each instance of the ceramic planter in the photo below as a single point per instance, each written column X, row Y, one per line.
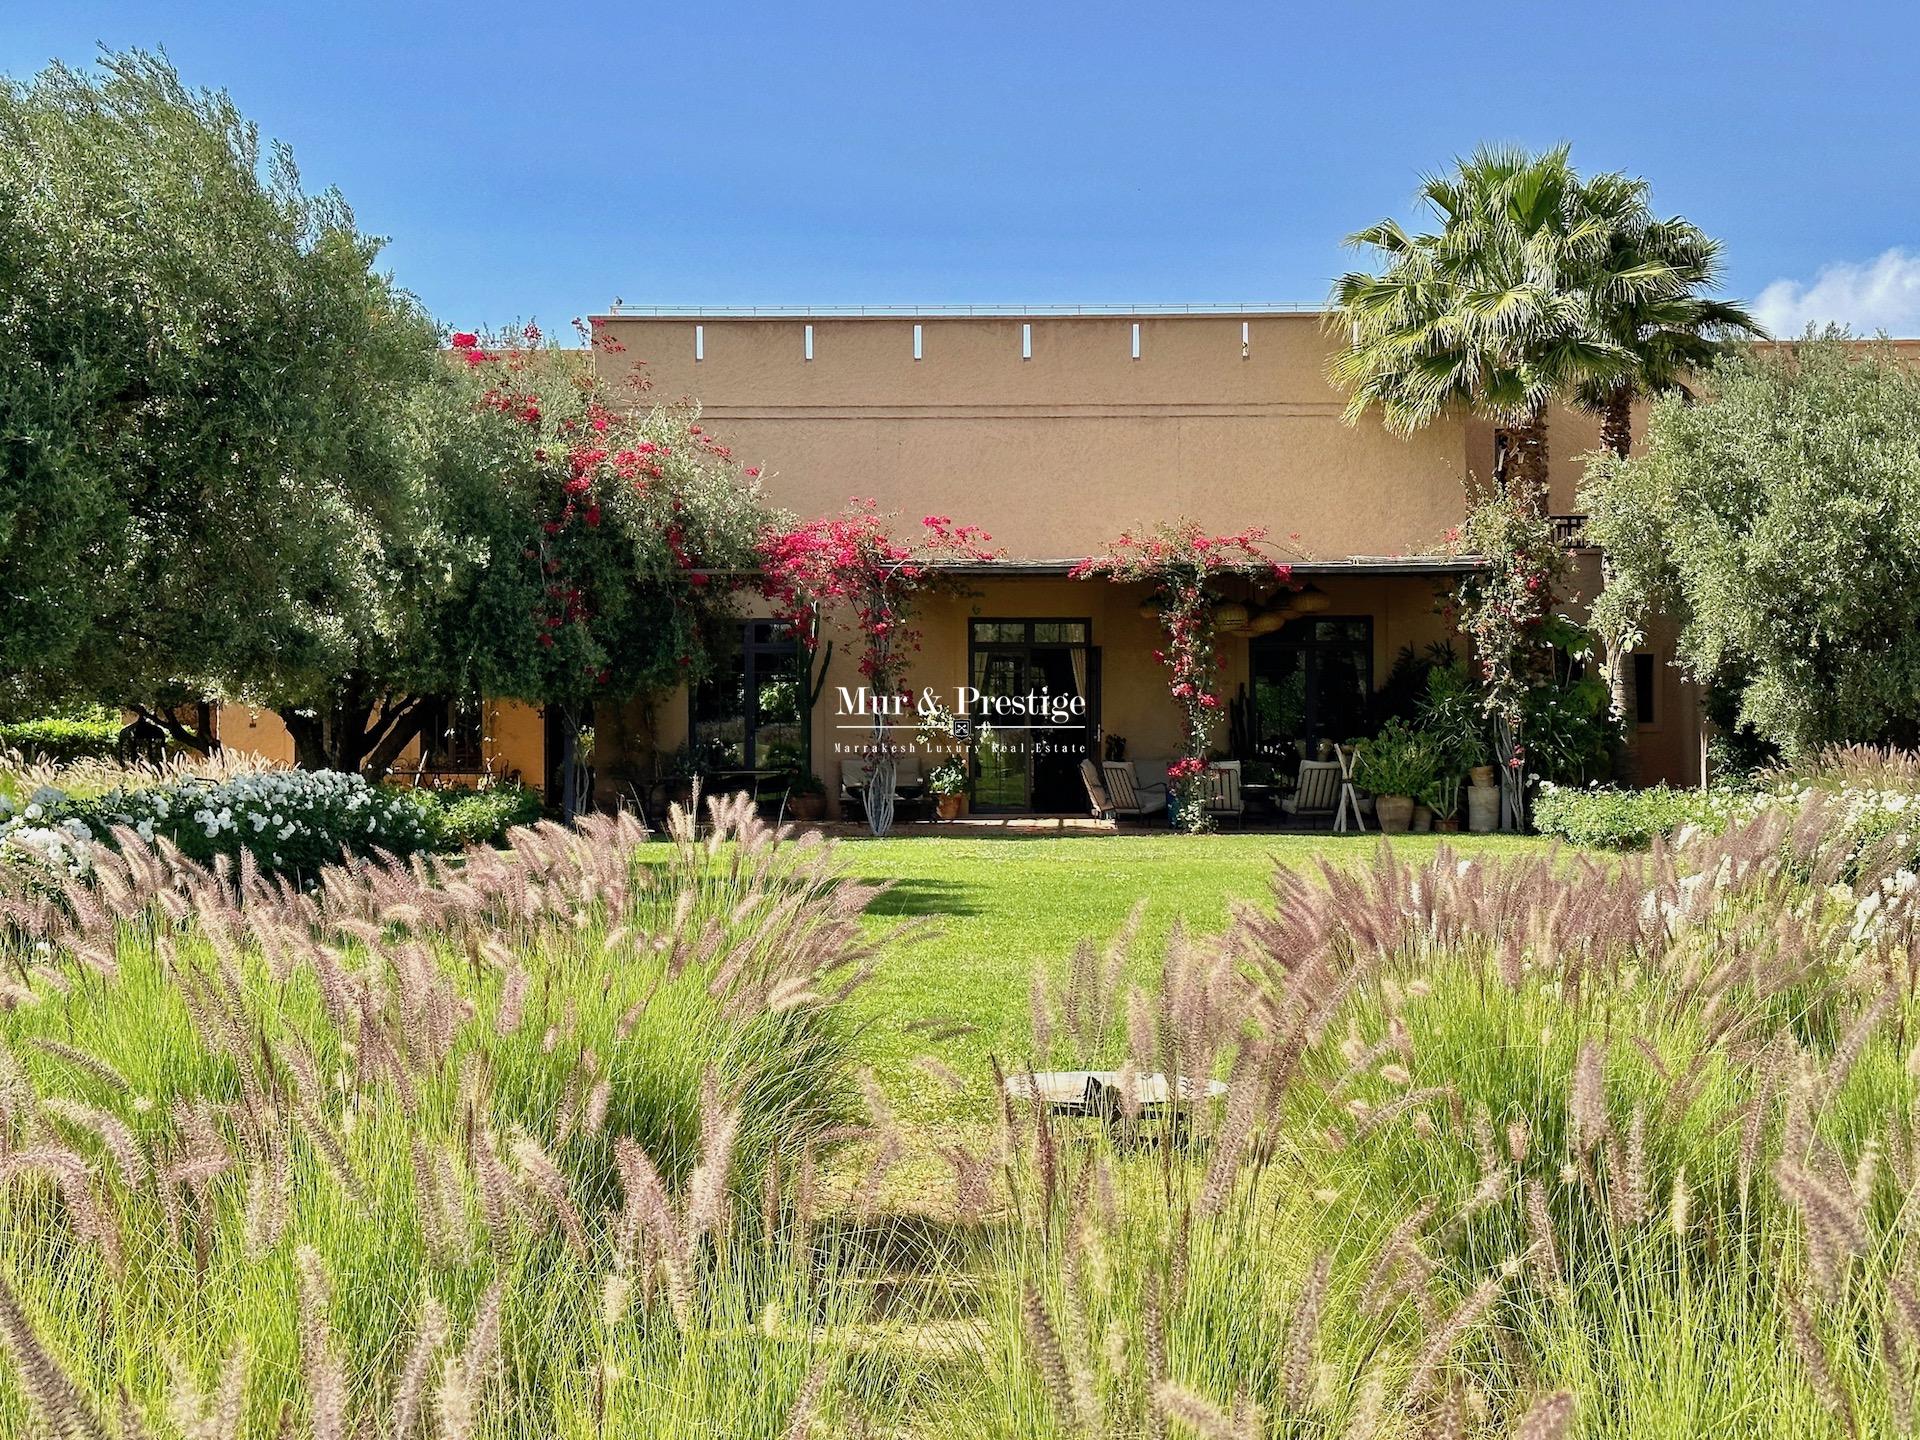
column 1481, row 775
column 1394, row 812
column 1422, row 820
column 1483, row 809
column 950, row 807
column 806, row 807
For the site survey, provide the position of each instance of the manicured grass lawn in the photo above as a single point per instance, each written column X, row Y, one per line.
column 995, row 908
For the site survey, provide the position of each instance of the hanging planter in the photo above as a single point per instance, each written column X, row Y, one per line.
column 1231, row 618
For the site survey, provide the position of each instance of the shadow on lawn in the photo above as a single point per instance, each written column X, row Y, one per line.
column 928, row 897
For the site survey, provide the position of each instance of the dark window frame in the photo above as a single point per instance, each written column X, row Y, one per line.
column 764, row 650
column 1280, row 640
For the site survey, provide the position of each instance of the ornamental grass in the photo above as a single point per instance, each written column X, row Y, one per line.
column 572, row 1140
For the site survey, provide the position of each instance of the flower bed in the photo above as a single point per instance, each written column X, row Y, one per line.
column 288, row 820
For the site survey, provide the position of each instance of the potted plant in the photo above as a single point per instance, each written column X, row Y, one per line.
column 1396, row 765
column 948, row 786
column 806, row 796
column 1443, row 798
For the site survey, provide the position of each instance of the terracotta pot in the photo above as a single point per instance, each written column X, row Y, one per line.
column 950, row 807
column 1483, row 809
column 1448, row 825
column 1394, row 812
column 1481, row 775
column 806, row 807
column 1422, row 820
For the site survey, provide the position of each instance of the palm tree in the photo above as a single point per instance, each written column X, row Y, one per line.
column 1644, row 297
column 1493, row 313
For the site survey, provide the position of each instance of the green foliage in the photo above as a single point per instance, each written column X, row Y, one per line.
column 1776, row 520
column 288, row 821
column 62, row 741
column 459, row 818
column 203, row 372
column 1398, row 761
column 1452, row 713
column 1608, row 819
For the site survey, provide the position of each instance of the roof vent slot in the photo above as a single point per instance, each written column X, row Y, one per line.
column 1136, row 339
column 699, row 342
column 917, row 352
column 1026, row 339
column 1246, row 339
column 808, row 342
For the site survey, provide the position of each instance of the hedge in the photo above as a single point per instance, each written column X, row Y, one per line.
column 62, row 741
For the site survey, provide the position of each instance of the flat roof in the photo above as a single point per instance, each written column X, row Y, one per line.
column 1352, row 565
column 1250, row 310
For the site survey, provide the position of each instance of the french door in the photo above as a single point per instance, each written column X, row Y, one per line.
column 1031, row 760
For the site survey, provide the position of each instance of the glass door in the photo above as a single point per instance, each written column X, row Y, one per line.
column 1311, row 681
column 1028, row 757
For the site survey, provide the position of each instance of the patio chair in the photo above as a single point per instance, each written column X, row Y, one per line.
column 1317, row 792
column 853, row 783
column 1223, row 790
column 1133, row 794
column 1096, row 792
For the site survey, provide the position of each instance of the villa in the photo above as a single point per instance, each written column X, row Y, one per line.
column 1056, row 432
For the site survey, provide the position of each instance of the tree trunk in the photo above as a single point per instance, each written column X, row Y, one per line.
column 1623, row 702
column 1527, row 465
column 309, row 734
column 569, row 769
column 198, row 737
column 1616, row 421
column 1616, row 433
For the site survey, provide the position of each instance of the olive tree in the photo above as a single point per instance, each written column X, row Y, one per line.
column 202, row 379
column 1777, row 520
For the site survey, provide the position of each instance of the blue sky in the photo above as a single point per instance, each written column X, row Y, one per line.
column 542, row 160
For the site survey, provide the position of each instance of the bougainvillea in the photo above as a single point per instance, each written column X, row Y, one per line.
column 1182, row 562
column 865, row 573
column 636, row 525
column 1503, row 608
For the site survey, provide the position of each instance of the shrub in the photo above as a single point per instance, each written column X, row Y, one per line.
column 1397, row 761
column 1609, row 819
column 459, row 818
column 62, row 741
column 288, row 820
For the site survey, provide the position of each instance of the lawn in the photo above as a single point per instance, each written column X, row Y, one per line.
column 990, row 910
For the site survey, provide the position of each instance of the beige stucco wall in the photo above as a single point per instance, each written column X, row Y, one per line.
column 1055, row 454
column 513, row 739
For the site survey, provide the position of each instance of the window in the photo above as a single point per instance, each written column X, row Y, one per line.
column 746, row 712
column 451, row 736
column 1310, row 681
column 1645, row 689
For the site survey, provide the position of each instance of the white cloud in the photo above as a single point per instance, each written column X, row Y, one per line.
column 1882, row 294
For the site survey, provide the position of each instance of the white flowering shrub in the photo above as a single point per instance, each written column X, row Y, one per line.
column 290, row 820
